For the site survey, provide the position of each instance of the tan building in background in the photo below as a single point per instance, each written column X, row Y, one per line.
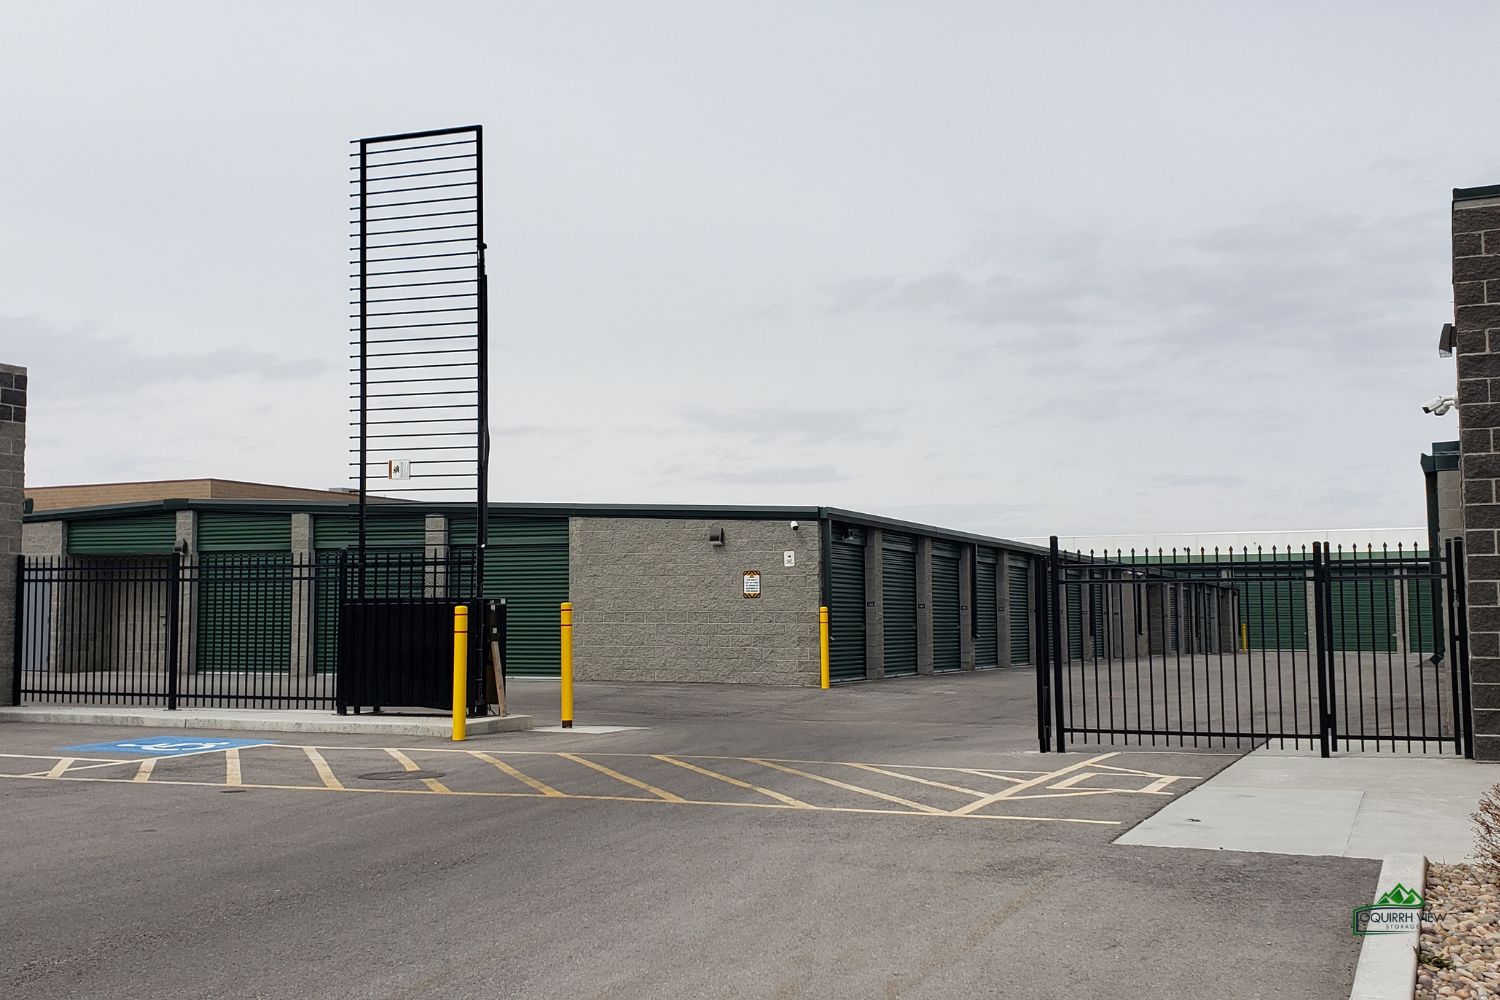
column 105, row 494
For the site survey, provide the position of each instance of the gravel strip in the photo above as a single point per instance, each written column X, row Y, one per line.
column 1460, row 956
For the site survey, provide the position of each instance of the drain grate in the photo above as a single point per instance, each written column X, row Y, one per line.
column 399, row 775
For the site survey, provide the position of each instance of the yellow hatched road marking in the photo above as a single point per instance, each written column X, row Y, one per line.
column 540, row 786
column 1074, row 779
column 411, row 765
column 1040, row 780
column 590, row 798
column 924, row 781
column 63, row 763
column 143, row 773
column 794, row 803
column 668, row 796
column 846, row 786
column 324, row 771
column 232, row 766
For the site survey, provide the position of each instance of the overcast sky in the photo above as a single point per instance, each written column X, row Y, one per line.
column 1018, row 268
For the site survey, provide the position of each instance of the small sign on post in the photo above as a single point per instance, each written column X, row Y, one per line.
column 752, row 583
column 398, row 468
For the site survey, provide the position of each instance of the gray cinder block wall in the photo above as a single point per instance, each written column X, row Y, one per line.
column 12, row 478
column 1476, row 319
column 655, row 600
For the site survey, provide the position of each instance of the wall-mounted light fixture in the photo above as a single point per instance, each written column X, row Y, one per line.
column 1446, row 340
column 716, row 536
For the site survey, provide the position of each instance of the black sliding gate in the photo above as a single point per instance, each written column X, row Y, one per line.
column 276, row 630
column 1327, row 649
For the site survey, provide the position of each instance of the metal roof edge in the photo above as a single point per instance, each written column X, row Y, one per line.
column 914, row 527
column 1474, row 193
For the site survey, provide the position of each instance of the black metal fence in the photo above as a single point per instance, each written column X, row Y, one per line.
column 242, row 630
column 1333, row 649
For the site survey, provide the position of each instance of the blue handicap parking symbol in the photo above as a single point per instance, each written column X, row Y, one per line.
column 167, row 746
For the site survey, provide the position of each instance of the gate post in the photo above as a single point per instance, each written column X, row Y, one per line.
column 174, row 614
column 1320, row 598
column 1054, row 638
column 1458, row 584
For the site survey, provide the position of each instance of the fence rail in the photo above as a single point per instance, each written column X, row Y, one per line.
column 226, row 630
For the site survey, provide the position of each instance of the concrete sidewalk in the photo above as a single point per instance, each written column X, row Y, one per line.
column 261, row 720
column 1358, row 806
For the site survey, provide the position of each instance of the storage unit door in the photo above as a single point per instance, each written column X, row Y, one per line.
column 986, row 628
column 1275, row 612
column 148, row 533
column 1365, row 613
column 1019, row 592
column 899, row 560
column 1074, row 596
column 846, row 612
column 526, row 563
column 384, row 533
column 244, row 609
column 945, row 616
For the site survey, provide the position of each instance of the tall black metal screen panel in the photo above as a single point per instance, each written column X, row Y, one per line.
column 419, row 329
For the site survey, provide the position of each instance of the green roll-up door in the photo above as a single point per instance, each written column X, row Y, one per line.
column 1098, row 620
column 946, row 621
column 1019, row 593
column 846, row 613
column 986, row 628
column 1075, row 620
column 1364, row 613
column 899, row 562
column 1423, row 594
column 1274, row 611
column 146, row 533
column 244, row 608
column 222, row 532
column 383, row 531
column 526, row 563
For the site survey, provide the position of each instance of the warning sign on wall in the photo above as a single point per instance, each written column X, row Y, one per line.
column 752, row 583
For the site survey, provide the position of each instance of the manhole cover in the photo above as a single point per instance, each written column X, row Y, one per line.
column 400, row 775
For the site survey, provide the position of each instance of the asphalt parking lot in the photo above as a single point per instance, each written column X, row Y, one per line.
column 900, row 839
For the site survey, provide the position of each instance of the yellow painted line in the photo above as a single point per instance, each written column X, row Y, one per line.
column 996, row 774
column 846, row 786
column 1160, row 784
column 668, row 796
column 232, row 766
column 411, row 765
column 926, row 814
column 794, row 803
column 63, row 763
column 143, row 773
column 53, row 756
column 1074, row 779
column 924, row 781
column 540, row 786
column 324, row 771
column 965, row 810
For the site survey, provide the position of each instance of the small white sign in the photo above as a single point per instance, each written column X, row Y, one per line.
column 789, row 559
column 752, row 583
column 398, row 468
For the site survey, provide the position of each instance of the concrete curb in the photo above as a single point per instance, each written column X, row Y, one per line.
column 1387, row 968
column 266, row 722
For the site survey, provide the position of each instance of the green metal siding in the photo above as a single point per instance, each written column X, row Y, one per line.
column 1275, row 611
column 220, row 532
column 526, row 563
column 899, row 562
column 846, row 613
column 146, row 533
column 1364, row 614
column 1074, row 601
column 244, row 613
column 946, row 620
column 986, row 627
column 341, row 531
column 1019, row 592
column 1421, row 630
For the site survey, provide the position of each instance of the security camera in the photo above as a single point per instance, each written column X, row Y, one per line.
column 1439, row 405
column 794, row 525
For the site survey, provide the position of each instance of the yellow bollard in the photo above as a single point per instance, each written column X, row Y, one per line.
column 460, row 672
column 567, row 665
column 823, row 647
column 1244, row 637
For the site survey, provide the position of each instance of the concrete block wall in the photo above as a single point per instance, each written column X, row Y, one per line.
column 654, row 600
column 1476, row 319
column 13, row 394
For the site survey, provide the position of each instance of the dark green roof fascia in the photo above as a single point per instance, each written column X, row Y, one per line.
column 385, row 508
column 1471, row 194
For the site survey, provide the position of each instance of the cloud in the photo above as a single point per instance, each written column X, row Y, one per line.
column 768, row 475
column 786, row 424
column 78, row 365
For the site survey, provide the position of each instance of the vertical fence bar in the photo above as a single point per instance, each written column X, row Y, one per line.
column 1054, row 584
column 1461, row 683
column 1320, row 599
column 174, row 611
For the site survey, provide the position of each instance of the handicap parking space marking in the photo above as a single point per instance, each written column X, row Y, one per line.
column 168, row 746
